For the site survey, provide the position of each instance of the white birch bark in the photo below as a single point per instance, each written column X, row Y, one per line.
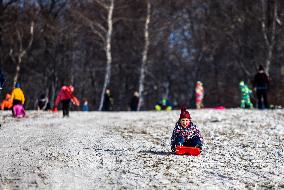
column 269, row 37
column 18, row 56
column 108, row 51
column 144, row 56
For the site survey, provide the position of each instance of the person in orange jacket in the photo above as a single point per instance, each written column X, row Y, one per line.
column 17, row 96
column 7, row 103
column 66, row 96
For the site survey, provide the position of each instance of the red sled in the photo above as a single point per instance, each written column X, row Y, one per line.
column 192, row 151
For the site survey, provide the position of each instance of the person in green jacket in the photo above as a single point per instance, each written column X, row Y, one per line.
column 245, row 95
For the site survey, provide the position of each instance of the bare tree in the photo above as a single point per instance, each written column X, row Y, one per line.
column 269, row 32
column 108, row 51
column 17, row 55
column 104, row 34
column 4, row 5
column 144, row 55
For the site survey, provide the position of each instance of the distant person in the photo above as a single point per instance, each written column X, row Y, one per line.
column 43, row 103
column 245, row 95
column 17, row 97
column 199, row 95
column 164, row 104
column 108, row 101
column 7, row 103
column 65, row 96
column 261, row 85
column 85, row 106
column 134, row 101
column 19, row 111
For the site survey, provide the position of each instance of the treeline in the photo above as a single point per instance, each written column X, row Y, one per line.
column 157, row 47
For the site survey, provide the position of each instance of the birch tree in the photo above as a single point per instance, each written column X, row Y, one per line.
column 269, row 32
column 104, row 34
column 18, row 54
column 144, row 55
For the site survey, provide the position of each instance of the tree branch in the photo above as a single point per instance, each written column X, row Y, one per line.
column 101, row 4
column 263, row 25
column 9, row 3
column 92, row 25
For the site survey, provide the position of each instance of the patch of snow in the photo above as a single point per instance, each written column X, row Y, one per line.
column 116, row 150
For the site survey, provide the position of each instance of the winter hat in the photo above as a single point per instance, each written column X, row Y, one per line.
column 261, row 68
column 184, row 113
column 17, row 85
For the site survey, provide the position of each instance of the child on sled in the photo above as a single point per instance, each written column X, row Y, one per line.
column 185, row 132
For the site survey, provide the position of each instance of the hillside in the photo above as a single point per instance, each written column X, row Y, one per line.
column 130, row 150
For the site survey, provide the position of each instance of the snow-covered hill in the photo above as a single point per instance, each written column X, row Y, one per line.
column 130, row 150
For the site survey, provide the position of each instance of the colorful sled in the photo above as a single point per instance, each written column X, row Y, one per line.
column 192, row 151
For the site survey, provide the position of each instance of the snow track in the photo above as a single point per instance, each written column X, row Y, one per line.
column 130, row 150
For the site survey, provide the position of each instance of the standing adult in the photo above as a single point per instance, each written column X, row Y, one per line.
column 134, row 101
column 261, row 85
column 108, row 101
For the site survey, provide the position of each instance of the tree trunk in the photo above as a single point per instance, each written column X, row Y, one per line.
column 22, row 52
column 108, row 52
column 73, row 63
column 144, row 56
column 269, row 35
column 18, row 68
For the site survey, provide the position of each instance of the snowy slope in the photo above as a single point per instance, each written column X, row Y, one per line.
column 128, row 150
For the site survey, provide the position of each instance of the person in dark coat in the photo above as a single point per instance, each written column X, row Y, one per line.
column 261, row 85
column 134, row 101
column 43, row 103
column 108, row 101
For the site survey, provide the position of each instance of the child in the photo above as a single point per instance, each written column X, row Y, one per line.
column 19, row 111
column 199, row 95
column 43, row 103
column 66, row 96
column 7, row 103
column 17, row 96
column 85, row 106
column 185, row 132
column 164, row 104
column 245, row 93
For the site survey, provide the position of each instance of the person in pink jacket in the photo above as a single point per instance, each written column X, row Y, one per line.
column 66, row 96
column 199, row 95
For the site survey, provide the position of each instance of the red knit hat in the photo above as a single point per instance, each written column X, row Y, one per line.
column 184, row 113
